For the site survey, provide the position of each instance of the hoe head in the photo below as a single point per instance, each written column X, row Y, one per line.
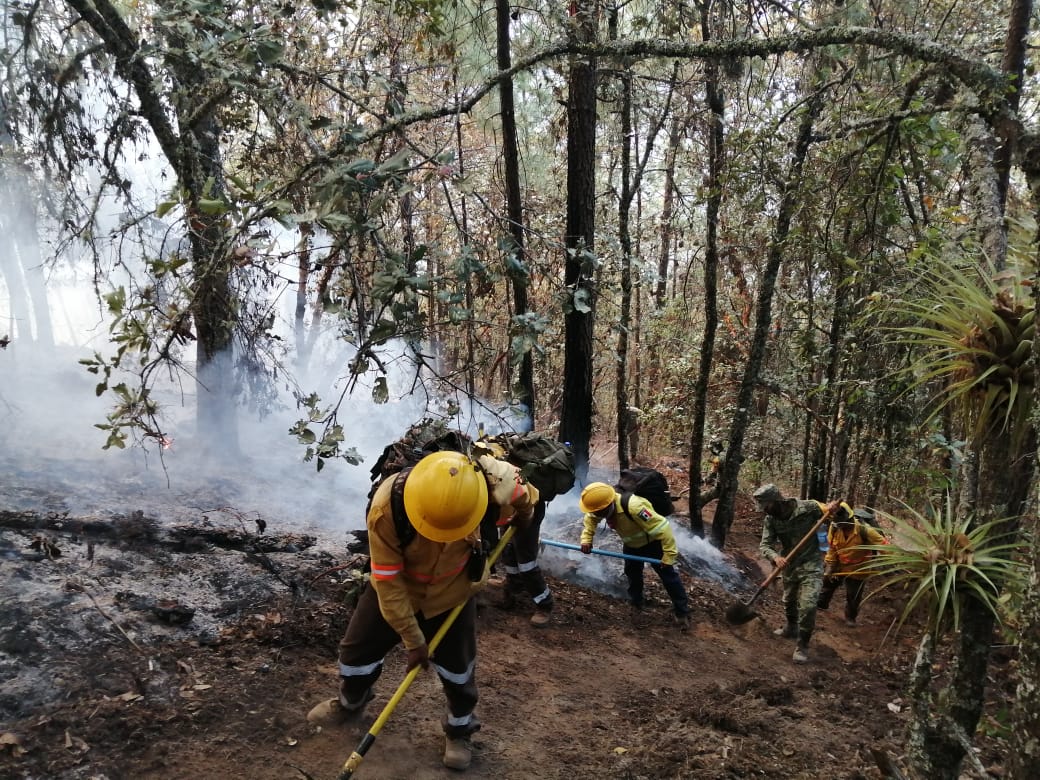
column 740, row 613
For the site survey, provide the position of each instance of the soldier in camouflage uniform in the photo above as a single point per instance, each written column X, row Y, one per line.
column 787, row 520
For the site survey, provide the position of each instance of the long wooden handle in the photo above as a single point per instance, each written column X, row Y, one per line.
column 794, row 551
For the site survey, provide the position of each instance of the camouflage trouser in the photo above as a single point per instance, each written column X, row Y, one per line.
column 802, row 585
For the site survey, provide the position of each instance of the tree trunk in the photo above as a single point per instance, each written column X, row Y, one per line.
column 516, row 265
column 576, row 411
column 716, row 156
column 763, row 318
column 1024, row 759
column 20, row 263
column 664, row 256
column 623, row 413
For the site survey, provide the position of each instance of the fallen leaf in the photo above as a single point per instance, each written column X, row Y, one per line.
column 13, row 741
column 129, row 696
column 893, row 707
column 620, row 750
column 75, row 743
column 291, row 741
column 201, row 687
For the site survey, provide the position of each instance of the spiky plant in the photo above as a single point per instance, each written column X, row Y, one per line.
column 974, row 331
column 942, row 560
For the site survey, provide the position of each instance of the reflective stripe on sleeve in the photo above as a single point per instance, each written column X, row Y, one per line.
column 386, row 572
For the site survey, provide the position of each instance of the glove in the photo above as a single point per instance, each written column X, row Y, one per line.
column 586, row 548
column 828, row 572
column 419, row 656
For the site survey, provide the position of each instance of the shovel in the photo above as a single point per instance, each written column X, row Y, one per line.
column 358, row 755
column 741, row 612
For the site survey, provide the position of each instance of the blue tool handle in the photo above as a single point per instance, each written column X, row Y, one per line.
column 598, row 551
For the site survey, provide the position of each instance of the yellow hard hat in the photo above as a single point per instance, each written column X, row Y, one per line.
column 445, row 496
column 596, row 496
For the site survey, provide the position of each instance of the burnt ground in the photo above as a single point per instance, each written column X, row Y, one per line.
column 130, row 648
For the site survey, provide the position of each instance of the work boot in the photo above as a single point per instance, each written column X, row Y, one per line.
column 540, row 619
column 790, row 631
column 333, row 712
column 683, row 622
column 458, row 752
column 801, row 653
column 850, row 622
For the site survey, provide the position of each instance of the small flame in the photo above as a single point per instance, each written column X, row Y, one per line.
column 166, row 442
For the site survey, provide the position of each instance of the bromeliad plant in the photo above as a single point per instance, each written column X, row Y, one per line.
column 942, row 559
column 974, row 331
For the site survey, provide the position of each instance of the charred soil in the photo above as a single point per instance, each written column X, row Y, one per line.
column 110, row 671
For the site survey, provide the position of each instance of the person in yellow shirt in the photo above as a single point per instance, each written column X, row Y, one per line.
column 427, row 558
column 843, row 563
column 644, row 533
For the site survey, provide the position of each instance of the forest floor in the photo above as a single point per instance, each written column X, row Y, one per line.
column 133, row 650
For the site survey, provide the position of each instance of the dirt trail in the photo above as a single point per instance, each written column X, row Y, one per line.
column 118, row 691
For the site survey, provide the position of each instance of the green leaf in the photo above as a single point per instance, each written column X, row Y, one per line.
column 165, row 207
column 383, row 329
column 270, row 52
column 212, row 206
column 116, row 301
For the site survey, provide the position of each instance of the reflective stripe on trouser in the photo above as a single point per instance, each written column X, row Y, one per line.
column 669, row 576
column 520, row 560
column 369, row 638
column 802, row 585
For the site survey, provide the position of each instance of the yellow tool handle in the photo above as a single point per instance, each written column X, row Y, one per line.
column 358, row 755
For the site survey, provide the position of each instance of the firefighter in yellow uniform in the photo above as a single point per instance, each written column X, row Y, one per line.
column 645, row 534
column 416, row 581
column 520, row 560
column 843, row 564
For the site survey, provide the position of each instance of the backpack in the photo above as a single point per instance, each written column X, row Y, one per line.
column 397, row 459
column 426, row 436
column 868, row 518
column 543, row 461
column 647, row 483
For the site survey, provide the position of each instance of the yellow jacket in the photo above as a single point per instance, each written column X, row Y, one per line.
column 637, row 529
column 427, row 576
column 842, row 554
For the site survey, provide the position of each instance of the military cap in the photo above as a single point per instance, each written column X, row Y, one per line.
column 767, row 493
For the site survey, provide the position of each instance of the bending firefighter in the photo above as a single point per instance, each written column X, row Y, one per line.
column 423, row 531
column 643, row 533
column 520, row 560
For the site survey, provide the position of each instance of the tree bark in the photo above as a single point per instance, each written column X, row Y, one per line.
column 516, row 266
column 579, row 242
column 716, row 101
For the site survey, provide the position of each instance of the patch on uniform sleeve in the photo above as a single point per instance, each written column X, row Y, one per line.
column 646, row 515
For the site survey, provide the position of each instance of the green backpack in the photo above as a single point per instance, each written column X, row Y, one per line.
column 543, row 461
